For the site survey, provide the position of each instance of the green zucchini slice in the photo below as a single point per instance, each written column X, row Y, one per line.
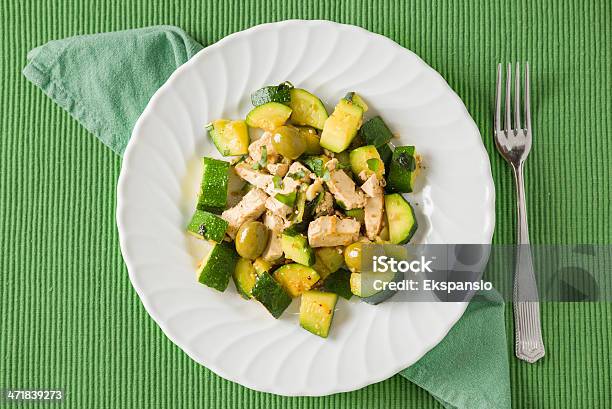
column 317, row 311
column 357, row 214
column 338, row 283
column 341, row 127
column 205, row 225
column 272, row 93
column 330, row 258
column 261, row 266
column 307, row 109
column 286, row 199
column 386, row 154
column 296, row 278
column 367, row 159
column 268, row 116
column 402, row 170
column 217, row 267
column 230, row 137
column 213, row 188
column 244, row 277
column 401, row 219
column 296, row 248
column 356, row 99
column 368, row 286
column 271, row 294
column 375, row 132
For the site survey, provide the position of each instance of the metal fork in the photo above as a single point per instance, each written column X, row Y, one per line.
column 514, row 144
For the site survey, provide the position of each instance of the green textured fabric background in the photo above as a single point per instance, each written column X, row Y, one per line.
column 68, row 315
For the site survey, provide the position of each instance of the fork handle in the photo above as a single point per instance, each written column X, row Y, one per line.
column 527, row 327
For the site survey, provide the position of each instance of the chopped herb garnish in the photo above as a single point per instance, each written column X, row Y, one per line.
column 326, row 175
column 314, row 163
column 373, row 164
column 278, row 182
column 263, row 161
column 406, row 161
column 297, row 175
column 343, row 165
column 240, row 159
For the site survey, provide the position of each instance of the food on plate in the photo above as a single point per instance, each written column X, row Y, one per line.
column 289, row 216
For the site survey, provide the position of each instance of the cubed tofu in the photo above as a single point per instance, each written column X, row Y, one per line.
column 343, row 189
column 255, row 148
column 328, row 231
column 278, row 169
column 331, row 164
column 277, row 208
column 374, row 207
column 373, row 215
column 291, row 181
column 275, row 223
column 289, row 185
column 252, row 205
column 371, row 187
column 274, row 248
column 297, row 168
column 257, row 178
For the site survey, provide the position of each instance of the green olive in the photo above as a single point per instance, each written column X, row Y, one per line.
column 251, row 240
column 288, row 142
column 312, row 140
column 352, row 256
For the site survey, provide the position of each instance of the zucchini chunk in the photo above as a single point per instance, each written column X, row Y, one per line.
column 213, row 188
column 268, row 116
column 375, row 132
column 386, row 154
column 300, row 207
column 367, row 159
column 296, row 278
column 338, row 283
column 330, row 258
column 402, row 170
column 344, row 159
column 205, row 225
column 356, row 99
column 273, row 93
column 341, row 127
column 307, row 109
column 271, row 294
column 368, row 286
column 317, row 312
column 244, row 277
column 261, row 266
column 217, row 267
column 310, row 135
column 287, row 199
column 401, row 219
column 230, row 137
column 296, row 248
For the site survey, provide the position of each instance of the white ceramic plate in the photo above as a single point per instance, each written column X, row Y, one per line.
column 159, row 180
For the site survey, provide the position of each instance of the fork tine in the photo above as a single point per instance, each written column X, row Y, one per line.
column 498, row 87
column 517, row 97
column 527, row 106
column 508, row 124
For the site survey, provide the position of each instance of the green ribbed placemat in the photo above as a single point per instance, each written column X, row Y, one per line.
column 68, row 315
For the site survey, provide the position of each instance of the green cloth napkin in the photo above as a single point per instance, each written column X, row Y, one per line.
column 105, row 81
